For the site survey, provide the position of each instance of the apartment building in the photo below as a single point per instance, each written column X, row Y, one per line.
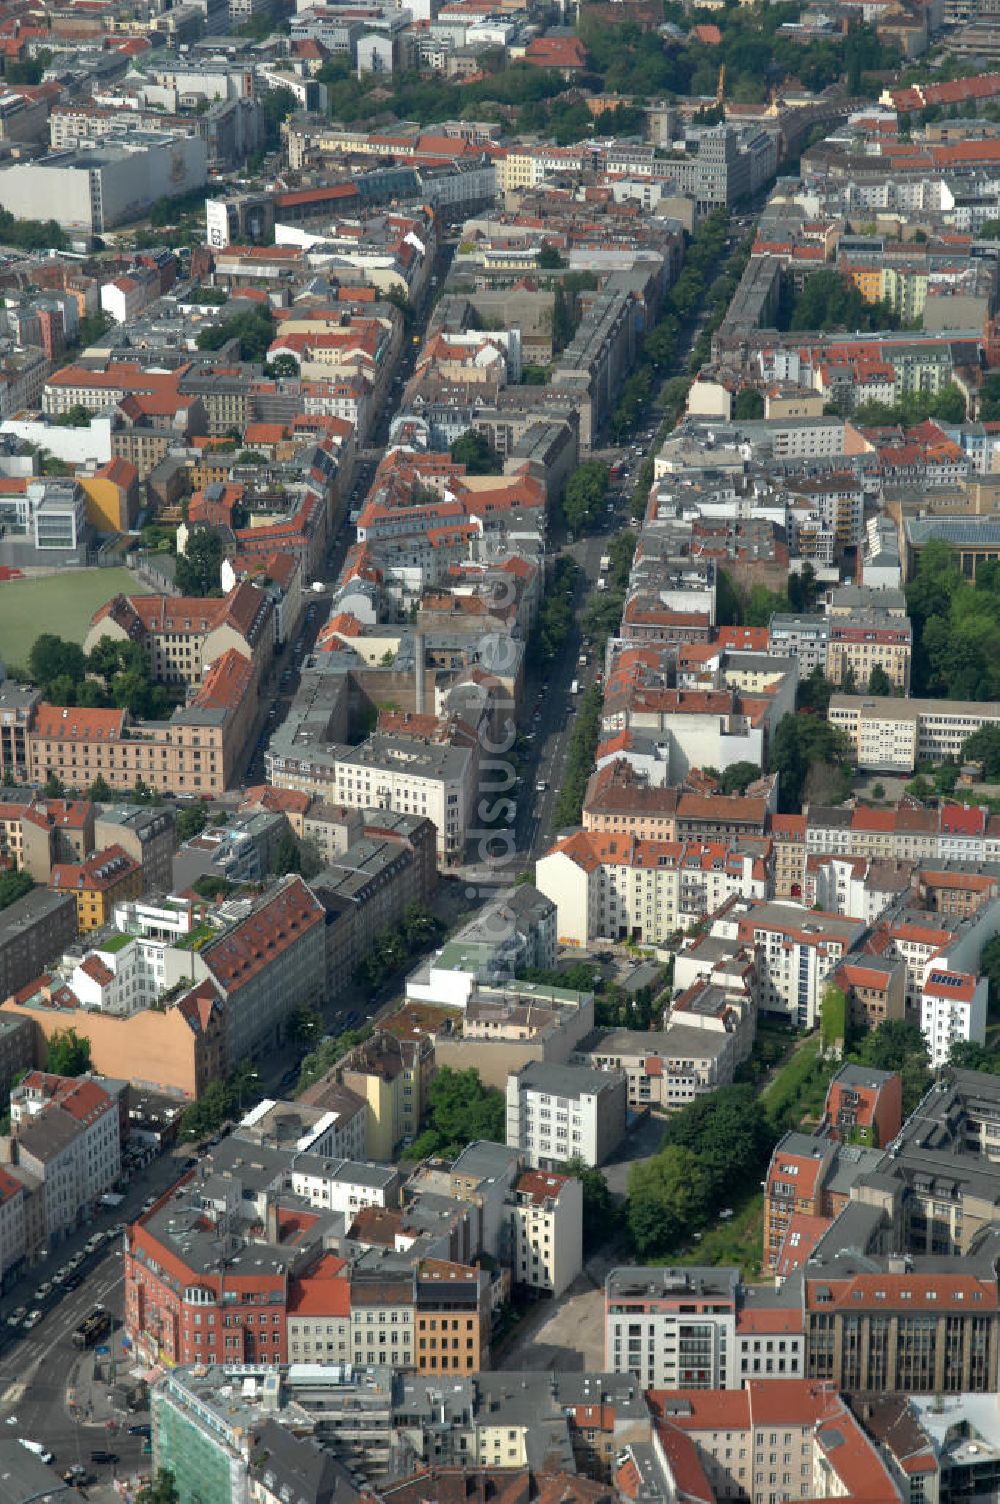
column 780, row 1440
column 368, row 885
column 391, row 1076
column 874, row 988
column 267, row 966
column 98, row 883
column 67, row 1139
column 546, row 1217
column 863, row 1106
column 890, row 735
column 927, row 1332
column 621, row 801
column 318, row 1313
column 667, row 1070
column 952, row 1011
column 407, row 775
column 196, row 752
column 798, row 948
column 620, row 886
column 809, row 1176
column 452, row 1317
column 382, row 1314
column 185, row 1302
column 146, row 834
column 35, row 833
column 13, row 1236
column 336, row 1130
column 672, row 1327
column 182, row 636
column 33, row 929
column 867, row 640
column 556, row 1112
column 697, row 1328
column 805, row 637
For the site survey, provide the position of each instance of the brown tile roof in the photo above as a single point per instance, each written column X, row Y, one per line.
column 235, row 958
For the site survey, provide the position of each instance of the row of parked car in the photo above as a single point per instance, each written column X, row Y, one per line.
column 68, row 1277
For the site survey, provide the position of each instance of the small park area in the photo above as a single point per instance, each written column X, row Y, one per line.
column 62, row 603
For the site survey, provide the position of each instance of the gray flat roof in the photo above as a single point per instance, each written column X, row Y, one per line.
column 566, row 1080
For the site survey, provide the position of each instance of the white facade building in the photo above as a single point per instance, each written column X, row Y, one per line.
column 952, row 1011
column 547, row 1227
column 559, row 1112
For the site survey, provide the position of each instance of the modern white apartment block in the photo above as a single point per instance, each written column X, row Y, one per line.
column 559, row 1112
column 698, row 1328
column 796, row 947
column 672, row 1328
column 952, row 1011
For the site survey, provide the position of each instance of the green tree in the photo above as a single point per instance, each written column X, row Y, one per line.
column 898, row 1045
column 599, row 1211
column 13, row 885
column 833, row 1019
column 738, row 776
column 749, row 405
column 584, row 495
column 762, row 605
column 159, row 1490
column 68, row 1053
column 814, row 692
column 254, row 329
column 198, row 571
column 53, row 659
column 286, row 856
column 579, row 758
column 304, row 1025
column 420, row 927
column 191, row 822
column 830, row 301
column 53, row 787
column 100, row 790
column 966, row 1056
column 460, row 1110
column 983, row 746
column 549, row 258
column 669, row 1196
column 879, row 682
column 283, row 367
column 807, row 748
column 474, row 450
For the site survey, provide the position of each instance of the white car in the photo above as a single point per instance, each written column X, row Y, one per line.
column 31, row 1320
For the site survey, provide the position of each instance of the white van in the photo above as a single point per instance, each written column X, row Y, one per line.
column 40, row 1452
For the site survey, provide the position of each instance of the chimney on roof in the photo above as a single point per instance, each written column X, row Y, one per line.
column 418, row 653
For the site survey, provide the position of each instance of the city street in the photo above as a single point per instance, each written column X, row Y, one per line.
column 37, row 1367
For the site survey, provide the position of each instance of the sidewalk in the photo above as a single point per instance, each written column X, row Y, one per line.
column 90, row 1387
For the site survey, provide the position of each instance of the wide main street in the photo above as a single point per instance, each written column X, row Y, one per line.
column 41, row 1368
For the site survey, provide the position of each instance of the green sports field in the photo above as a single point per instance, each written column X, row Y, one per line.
column 62, row 603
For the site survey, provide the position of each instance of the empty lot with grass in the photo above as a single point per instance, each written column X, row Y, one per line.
column 62, row 603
